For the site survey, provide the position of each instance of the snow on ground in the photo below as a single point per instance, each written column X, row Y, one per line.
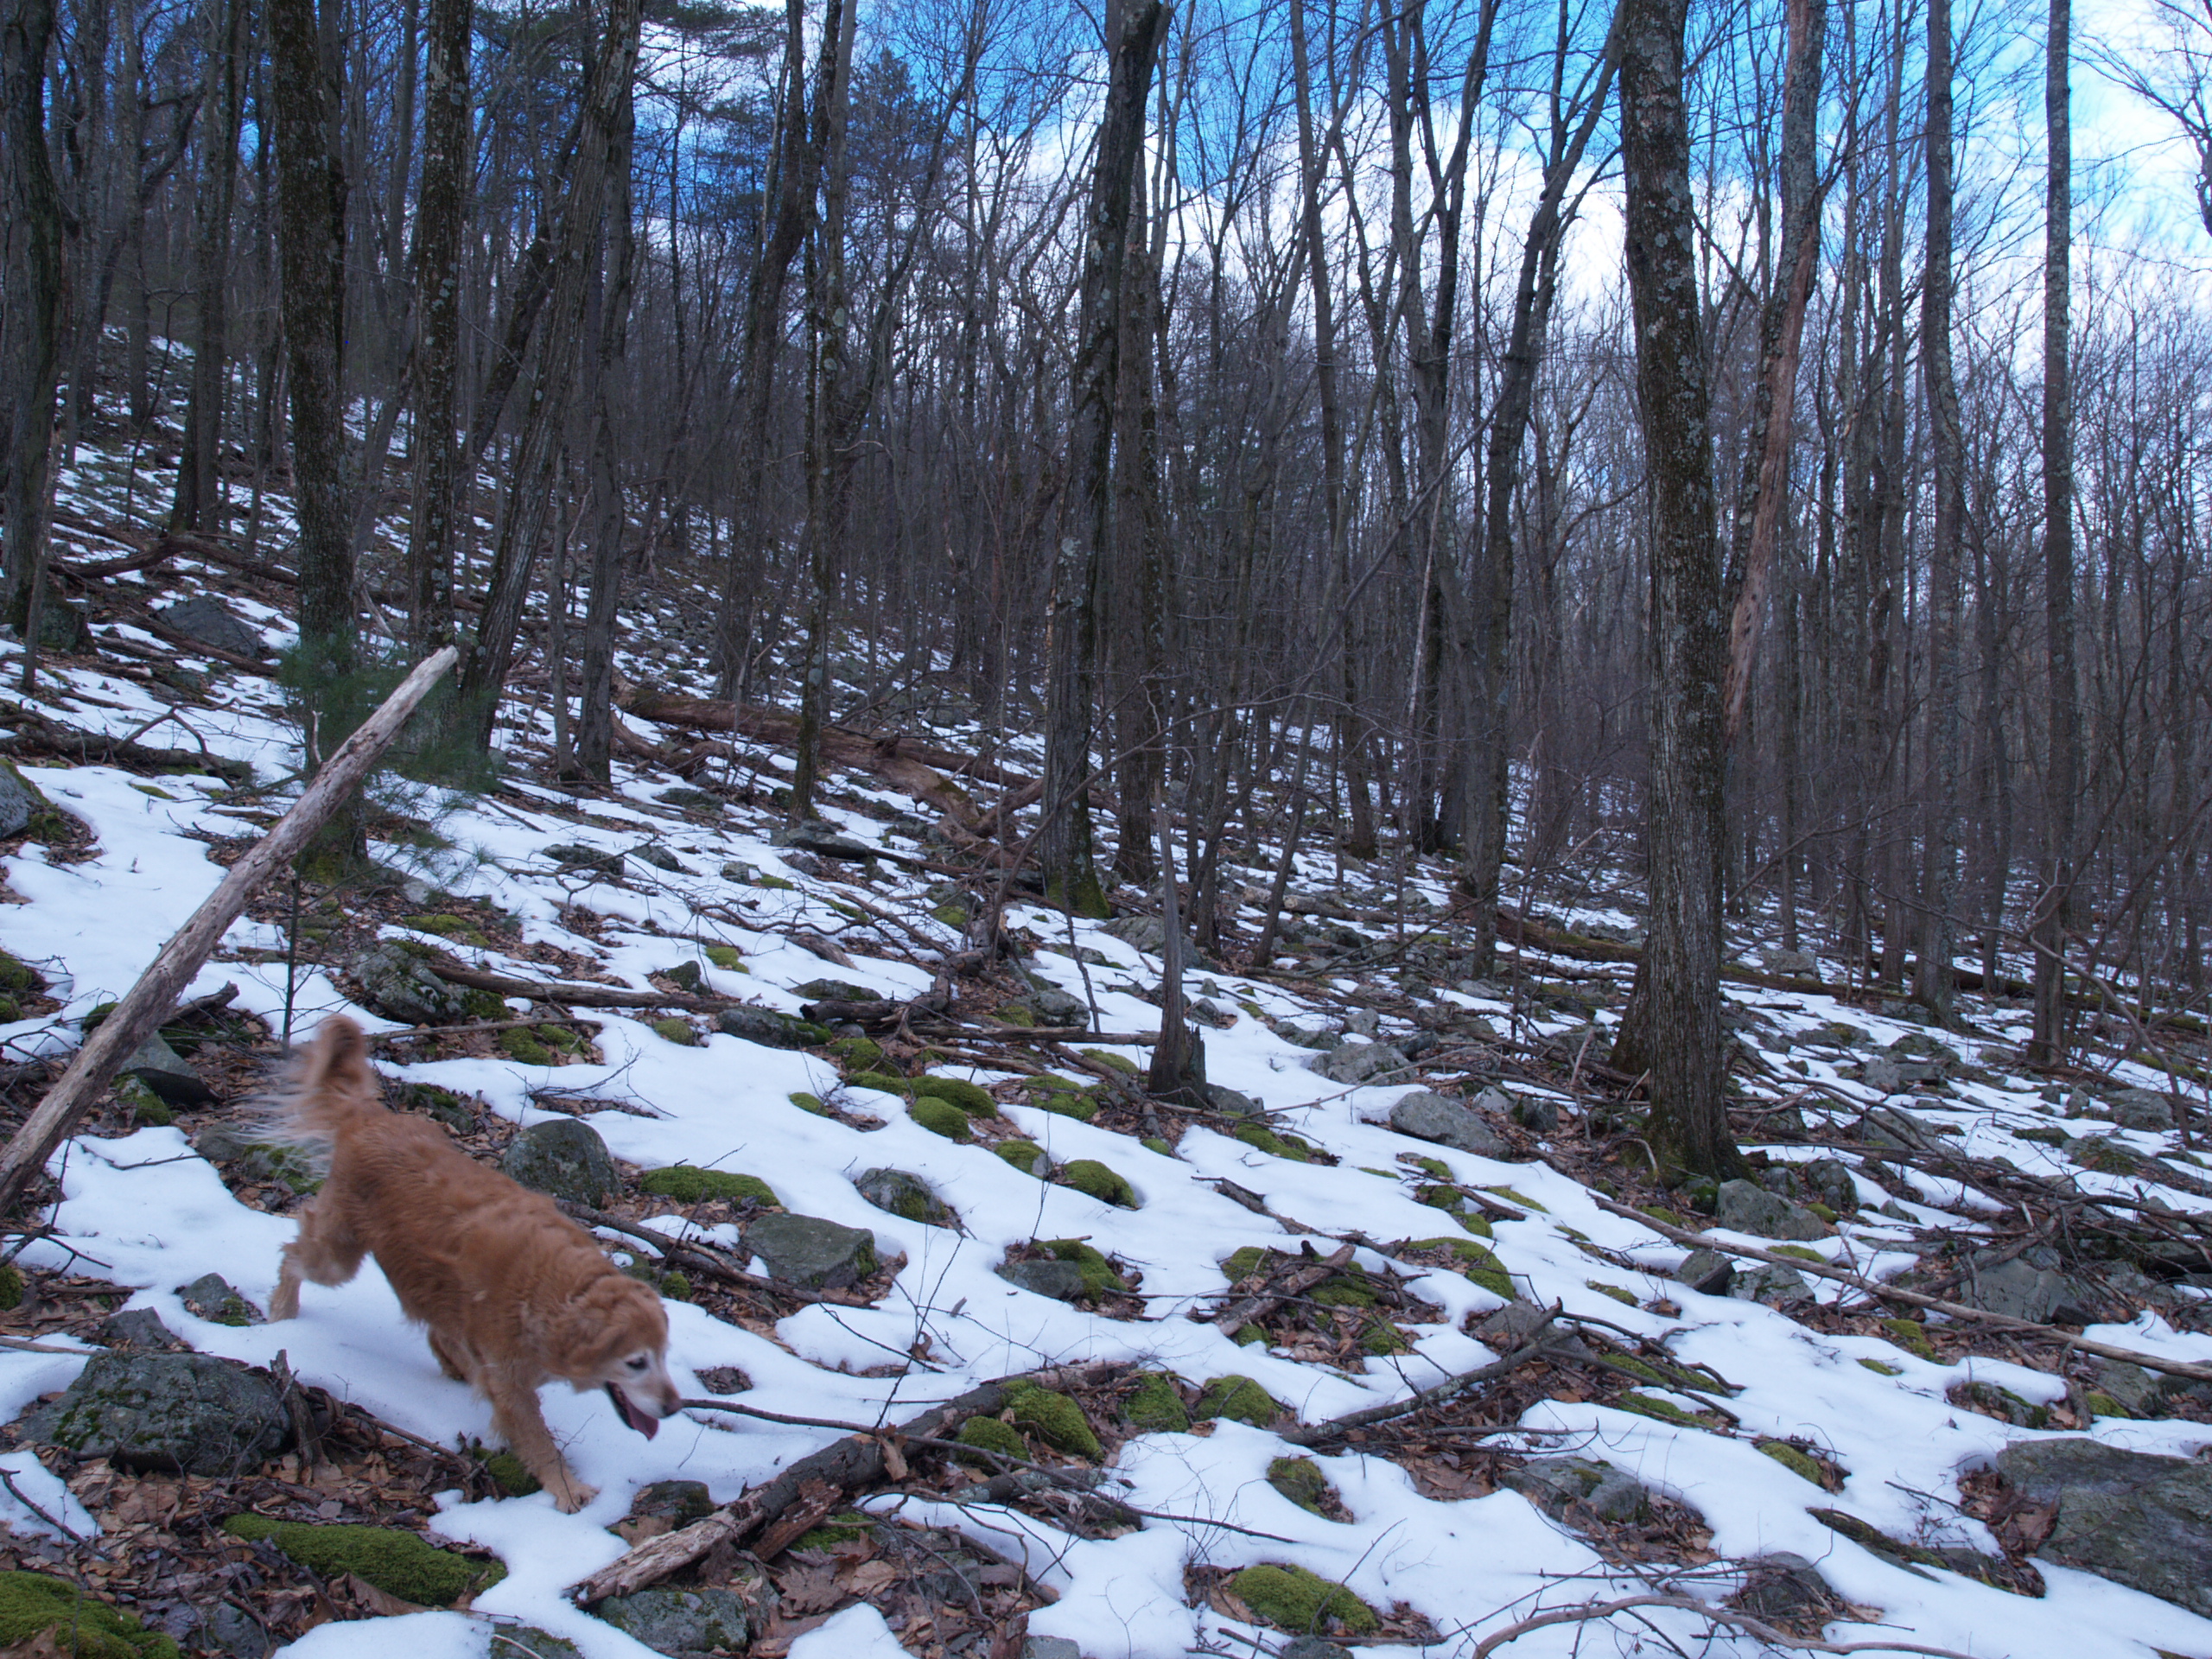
column 145, row 1211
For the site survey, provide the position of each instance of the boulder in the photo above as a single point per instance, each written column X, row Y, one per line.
column 1427, row 1115
column 64, row 627
column 563, row 1157
column 1054, row 1006
column 1802, row 964
column 207, row 620
column 1882, row 1076
column 575, row 856
column 1232, row 1102
column 1746, row 1207
column 2142, row 1108
column 211, row 1297
column 1061, row 1281
column 1885, row 1126
column 906, row 1195
column 2134, row 1517
column 2029, row 1287
column 1050, row 1647
column 1147, row 933
column 834, row 990
column 682, row 1623
column 1707, row 1271
column 812, row 1253
column 176, row 1413
column 252, row 1159
column 163, row 1069
column 1772, row 1287
column 1537, row 1113
column 397, row 985
column 20, row 801
column 1354, row 1064
column 1556, row 1484
column 139, row 1327
column 823, row 839
column 652, row 853
column 2130, row 1387
column 767, row 1027
column 1831, row 1181
column 1784, row 1589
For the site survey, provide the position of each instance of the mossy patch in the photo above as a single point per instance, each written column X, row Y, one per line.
column 689, row 1184
column 1343, row 1292
column 860, row 1053
column 12, row 1286
column 514, row 1479
column 682, row 1033
column 1111, row 1060
column 1241, row 1264
column 1802, row 1252
column 1380, row 1338
column 1796, row 1462
column 1882, row 1367
column 2103, row 1405
column 1155, row 1408
column 1300, row 1480
column 883, row 1082
column 1025, row 1155
column 1625, row 1297
column 34, row 1601
column 1264, row 1139
column 1089, row 1175
column 726, row 957
column 397, row 1562
column 1911, row 1336
column 1157, row 1143
column 1521, row 1199
column 941, row 1118
column 1665, row 1411
column 838, row 1529
column 1238, row 1397
column 19, row 979
column 522, row 1045
column 1291, row 1598
column 1435, row 1168
column 1099, row 1278
column 459, row 929
column 1477, row 1263
column 970, row 1097
column 807, row 1102
column 1081, row 1106
column 1053, row 1417
column 989, row 1434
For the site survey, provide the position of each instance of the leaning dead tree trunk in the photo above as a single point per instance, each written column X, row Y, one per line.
column 134, row 1019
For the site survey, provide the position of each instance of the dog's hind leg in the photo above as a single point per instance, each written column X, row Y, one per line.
column 449, row 1361
column 326, row 1251
column 516, row 1416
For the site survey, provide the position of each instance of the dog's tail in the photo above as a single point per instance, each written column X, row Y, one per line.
column 332, row 1084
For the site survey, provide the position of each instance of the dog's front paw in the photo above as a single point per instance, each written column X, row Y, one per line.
column 571, row 1495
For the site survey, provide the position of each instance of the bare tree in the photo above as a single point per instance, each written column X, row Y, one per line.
column 35, row 287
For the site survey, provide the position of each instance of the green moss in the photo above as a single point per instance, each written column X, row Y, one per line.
column 989, row 1434
column 1342, row 1292
column 1666, row 1411
column 970, row 1097
column 1250, row 1336
column 1909, row 1335
column 11, row 1285
column 1300, row 1480
column 459, row 929
column 1053, row 1417
column 1435, row 1168
column 145, row 1106
column 1474, row 1261
column 484, row 1005
column 1153, row 1407
column 514, row 1479
column 1025, row 1155
column 522, row 1045
column 1380, row 1338
column 18, row 979
column 1238, row 1397
column 1624, row 1297
column 1823, row 1212
column 397, row 1562
column 883, row 1083
column 1802, row 1252
column 2104, row 1405
column 1523, row 1200
column 682, row 1033
column 780, row 884
column 689, row 1184
column 941, row 1118
column 1796, row 1462
column 951, row 915
column 1082, row 1107
column 1111, row 1060
column 1291, row 1598
column 1882, row 1367
column 1099, row 1278
column 560, row 1037
column 1157, row 1143
column 1266, row 1140
column 807, row 1102
column 859, row 1053
column 727, row 958
column 1239, row 1265
column 33, row 1602
column 840, row 1530
column 2107, row 1157
column 1089, row 1175
column 1659, row 1212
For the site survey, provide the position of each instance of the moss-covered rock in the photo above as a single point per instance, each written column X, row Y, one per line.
column 883, row 1082
column 682, row 1033
column 12, row 1286
column 727, row 958
column 1291, row 1598
column 989, row 1434
column 1099, row 1278
column 31, row 1603
column 1111, row 1061
column 689, row 1184
column 1620, row 1293
column 523, row 1044
column 1795, row 1461
column 397, row 1562
column 807, row 1102
column 970, row 1097
column 459, row 929
column 1238, row 1397
column 1027, row 1156
column 1911, row 1336
column 1380, row 1338
column 513, row 1476
column 1264, row 1139
column 1241, row 1264
column 941, row 1118
column 859, row 1053
column 1475, row 1262
column 1300, row 1480
column 1089, row 1175
column 1882, row 1367
column 19, row 979
column 1153, row 1407
column 1343, row 1291
column 1053, row 1417
column 1081, row 1106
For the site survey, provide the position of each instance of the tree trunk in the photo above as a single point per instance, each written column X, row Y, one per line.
column 442, row 215
column 1689, row 1119
column 32, row 311
column 197, row 473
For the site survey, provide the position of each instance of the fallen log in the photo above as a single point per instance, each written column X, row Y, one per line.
column 1279, row 1290
column 842, row 1466
column 148, row 1003
column 582, row 996
column 34, row 731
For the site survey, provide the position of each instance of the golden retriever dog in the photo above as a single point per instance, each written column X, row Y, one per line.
column 512, row 1294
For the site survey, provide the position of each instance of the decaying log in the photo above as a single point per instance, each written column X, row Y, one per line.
column 34, row 731
column 1293, row 1282
column 844, row 1465
column 576, row 995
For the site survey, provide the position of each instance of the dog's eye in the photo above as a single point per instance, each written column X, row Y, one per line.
column 636, row 1361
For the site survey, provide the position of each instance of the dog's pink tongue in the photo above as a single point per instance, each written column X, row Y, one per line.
column 630, row 1414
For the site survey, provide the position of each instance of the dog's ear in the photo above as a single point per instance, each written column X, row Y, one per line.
column 338, row 1059
column 612, row 1316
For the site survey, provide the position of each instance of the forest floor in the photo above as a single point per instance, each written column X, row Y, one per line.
column 1648, row 1450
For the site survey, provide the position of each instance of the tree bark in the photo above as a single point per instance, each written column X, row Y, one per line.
column 33, row 314
column 442, row 214
column 1689, row 1119
column 197, row 487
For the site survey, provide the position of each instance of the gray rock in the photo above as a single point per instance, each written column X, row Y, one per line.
column 1747, row 1207
column 692, row 800
column 563, row 1157
column 1353, row 1064
column 20, row 801
column 1707, row 1271
column 165, row 1072
column 237, row 1634
column 823, row 839
column 1228, row 1100
column 904, row 1194
column 176, row 1413
column 1782, row 1588
column 681, row 1622
column 1050, row 1647
column 1313, row 1647
column 834, row 990
column 812, row 1253
column 1886, row 1126
column 1364, row 1022
column 1513, row 1327
column 397, row 985
column 252, row 1159
column 1556, row 1484
column 1061, row 1281
column 679, row 1503
column 2137, row 1519
column 2025, row 1289
column 1802, row 964
column 2134, row 1389
column 1538, row 1113
column 63, row 625
column 528, row 1642
column 574, row 855
column 1830, row 1180
column 207, row 620
column 652, row 853
column 685, row 975
column 1054, row 1006
column 1772, row 1287
column 1882, row 1076
column 1147, row 933
column 2142, row 1108
column 212, row 1297
column 1427, row 1115
column 140, row 1327
column 764, row 1027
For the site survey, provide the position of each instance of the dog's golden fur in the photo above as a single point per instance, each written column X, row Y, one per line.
column 513, row 1294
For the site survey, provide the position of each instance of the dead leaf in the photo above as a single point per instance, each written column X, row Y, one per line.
column 377, row 1601
column 811, row 1589
column 869, row 1578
